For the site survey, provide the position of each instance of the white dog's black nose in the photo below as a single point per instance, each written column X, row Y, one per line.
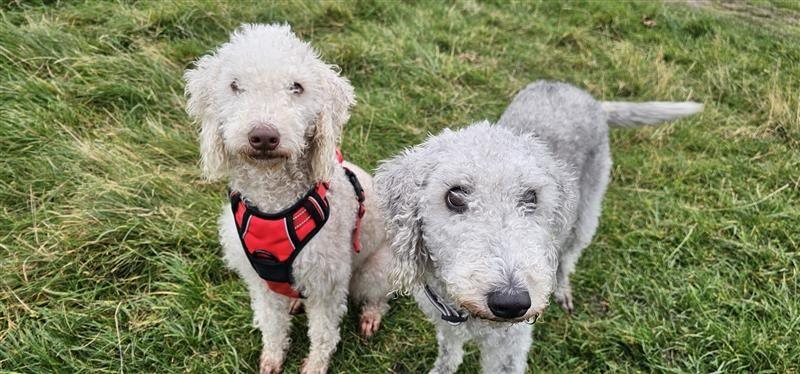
column 509, row 304
column 264, row 137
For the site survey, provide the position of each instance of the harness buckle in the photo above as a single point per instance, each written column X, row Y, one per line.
column 356, row 185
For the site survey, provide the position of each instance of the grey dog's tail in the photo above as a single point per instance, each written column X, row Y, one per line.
column 628, row 115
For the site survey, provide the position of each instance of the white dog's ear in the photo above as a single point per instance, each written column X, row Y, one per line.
column 199, row 86
column 328, row 128
column 398, row 183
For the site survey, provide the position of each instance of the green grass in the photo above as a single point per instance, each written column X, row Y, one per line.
column 109, row 259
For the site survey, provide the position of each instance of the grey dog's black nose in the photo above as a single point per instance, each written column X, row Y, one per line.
column 264, row 137
column 505, row 304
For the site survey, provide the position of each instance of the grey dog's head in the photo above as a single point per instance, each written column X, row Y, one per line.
column 483, row 211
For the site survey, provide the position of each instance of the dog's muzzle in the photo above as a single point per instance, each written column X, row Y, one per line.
column 454, row 316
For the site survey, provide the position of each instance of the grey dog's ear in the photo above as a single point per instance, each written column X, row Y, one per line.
column 569, row 197
column 565, row 178
column 399, row 183
column 199, row 88
column 328, row 127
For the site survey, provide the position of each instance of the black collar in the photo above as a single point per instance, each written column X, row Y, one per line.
column 449, row 314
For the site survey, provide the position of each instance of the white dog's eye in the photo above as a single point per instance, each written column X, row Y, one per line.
column 235, row 87
column 456, row 200
column 529, row 200
column 296, row 88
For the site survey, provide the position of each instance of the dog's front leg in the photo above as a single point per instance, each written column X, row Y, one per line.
column 505, row 349
column 324, row 316
column 271, row 316
column 450, row 341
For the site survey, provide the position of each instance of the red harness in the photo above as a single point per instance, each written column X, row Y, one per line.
column 272, row 241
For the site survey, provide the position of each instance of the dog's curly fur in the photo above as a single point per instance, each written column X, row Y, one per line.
column 246, row 82
column 552, row 141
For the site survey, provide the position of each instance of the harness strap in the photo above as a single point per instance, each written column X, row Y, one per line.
column 284, row 288
column 360, row 197
column 351, row 176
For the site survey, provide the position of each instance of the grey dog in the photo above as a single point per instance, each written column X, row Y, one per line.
column 488, row 221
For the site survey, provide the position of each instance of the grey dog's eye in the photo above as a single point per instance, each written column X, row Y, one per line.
column 529, row 199
column 296, row 88
column 455, row 200
column 235, row 87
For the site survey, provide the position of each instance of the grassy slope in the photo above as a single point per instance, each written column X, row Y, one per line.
column 108, row 252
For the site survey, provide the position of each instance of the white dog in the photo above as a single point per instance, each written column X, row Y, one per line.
column 489, row 221
column 271, row 114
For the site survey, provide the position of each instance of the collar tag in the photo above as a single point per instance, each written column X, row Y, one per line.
column 449, row 314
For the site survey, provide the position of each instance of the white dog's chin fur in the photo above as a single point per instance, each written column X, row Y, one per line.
column 269, row 159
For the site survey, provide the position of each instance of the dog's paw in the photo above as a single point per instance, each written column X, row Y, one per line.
column 370, row 322
column 268, row 365
column 564, row 299
column 297, row 307
column 309, row 367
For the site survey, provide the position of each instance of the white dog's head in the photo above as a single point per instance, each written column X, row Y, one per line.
column 265, row 97
column 482, row 210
